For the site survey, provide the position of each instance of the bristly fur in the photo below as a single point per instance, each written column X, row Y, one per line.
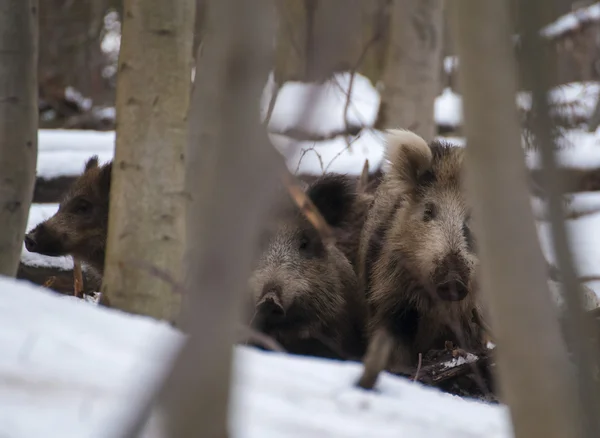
column 303, row 291
column 79, row 227
column 415, row 239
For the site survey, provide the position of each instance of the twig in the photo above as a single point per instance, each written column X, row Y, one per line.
column 49, row 281
column 307, row 207
column 259, row 338
column 364, row 178
column 77, row 278
column 418, row 368
column 272, row 103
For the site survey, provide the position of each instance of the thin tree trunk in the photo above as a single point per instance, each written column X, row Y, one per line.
column 147, row 204
column 542, row 399
column 303, row 27
column 412, row 74
column 230, row 173
column 18, row 125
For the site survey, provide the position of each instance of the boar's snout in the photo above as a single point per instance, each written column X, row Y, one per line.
column 452, row 279
column 452, row 290
column 30, row 242
column 40, row 240
column 270, row 304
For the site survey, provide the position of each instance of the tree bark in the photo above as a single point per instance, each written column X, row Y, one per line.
column 303, row 27
column 18, row 125
column 147, row 200
column 543, row 400
column 412, row 74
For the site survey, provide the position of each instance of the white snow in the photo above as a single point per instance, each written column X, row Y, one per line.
column 448, row 108
column 69, row 369
column 63, row 152
column 450, row 64
column 332, row 155
column 572, row 20
column 326, row 105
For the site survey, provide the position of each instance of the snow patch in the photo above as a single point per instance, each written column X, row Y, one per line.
column 448, row 108
column 78, row 370
column 64, row 152
column 316, row 158
column 324, row 105
column 460, row 360
column 572, row 21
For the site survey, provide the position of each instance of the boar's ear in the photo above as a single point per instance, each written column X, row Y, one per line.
column 104, row 177
column 409, row 156
column 334, row 196
column 92, row 163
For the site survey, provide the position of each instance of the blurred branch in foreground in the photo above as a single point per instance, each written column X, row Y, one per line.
column 543, row 400
column 230, row 176
column 538, row 64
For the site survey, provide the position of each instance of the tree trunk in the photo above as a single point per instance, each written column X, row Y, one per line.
column 412, row 75
column 69, row 47
column 543, row 400
column 303, row 26
column 147, row 204
column 18, row 125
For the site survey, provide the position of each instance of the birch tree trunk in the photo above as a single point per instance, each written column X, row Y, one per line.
column 412, row 73
column 536, row 379
column 18, row 125
column 147, row 202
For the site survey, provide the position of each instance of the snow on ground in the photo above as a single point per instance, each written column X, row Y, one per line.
column 332, row 155
column 72, row 370
column 448, row 109
column 572, row 20
column 63, row 152
column 327, row 105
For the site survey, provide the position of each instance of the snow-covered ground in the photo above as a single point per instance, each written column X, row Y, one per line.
column 72, row 370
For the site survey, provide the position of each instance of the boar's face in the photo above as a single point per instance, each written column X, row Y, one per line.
column 80, row 224
column 296, row 275
column 431, row 230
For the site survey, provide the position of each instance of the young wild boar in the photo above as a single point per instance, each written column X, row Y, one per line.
column 79, row 227
column 304, row 291
column 417, row 263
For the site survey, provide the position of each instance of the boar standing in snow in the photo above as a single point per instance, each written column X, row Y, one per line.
column 417, row 263
column 303, row 290
column 79, row 227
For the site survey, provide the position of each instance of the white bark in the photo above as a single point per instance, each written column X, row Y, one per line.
column 147, row 205
column 18, row 125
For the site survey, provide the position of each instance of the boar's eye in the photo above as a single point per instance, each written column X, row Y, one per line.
column 304, row 242
column 310, row 245
column 430, row 212
column 82, row 206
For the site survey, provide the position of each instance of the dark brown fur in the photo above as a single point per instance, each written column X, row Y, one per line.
column 417, row 262
column 303, row 291
column 79, row 227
